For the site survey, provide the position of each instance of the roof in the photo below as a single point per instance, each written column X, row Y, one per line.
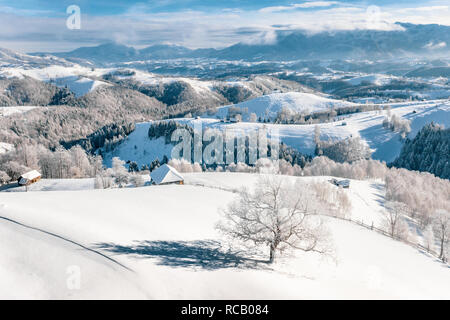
column 31, row 175
column 165, row 174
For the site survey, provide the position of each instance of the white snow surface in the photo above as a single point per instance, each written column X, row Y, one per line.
column 7, row 111
column 268, row 106
column 6, row 147
column 171, row 248
column 377, row 79
column 80, row 80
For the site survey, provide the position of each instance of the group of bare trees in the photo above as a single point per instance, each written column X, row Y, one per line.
column 422, row 198
column 319, row 166
column 396, row 124
column 58, row 164
column 117, row 176
column 345, row 150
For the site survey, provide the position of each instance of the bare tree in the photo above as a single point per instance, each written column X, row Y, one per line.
column 104, row 179
column 120, row 173
column 137, row 180
column 4, row 178
column 393, row 218
column 441, row 228
column 428, row 237
column 277, row 215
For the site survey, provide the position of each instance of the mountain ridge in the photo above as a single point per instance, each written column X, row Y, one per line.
column 426, row 39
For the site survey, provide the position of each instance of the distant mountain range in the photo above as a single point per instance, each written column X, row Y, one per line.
column 412, row 40
column 13, row 58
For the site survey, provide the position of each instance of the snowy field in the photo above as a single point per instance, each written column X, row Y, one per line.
column 5, row 147
column 7, row 111
column 268, row 106
column 386, row 145
column 159, row 242
column 80, row 80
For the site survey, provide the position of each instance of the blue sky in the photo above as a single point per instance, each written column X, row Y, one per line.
column 38, row 25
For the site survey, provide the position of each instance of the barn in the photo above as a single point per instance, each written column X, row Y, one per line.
column 340, row 183
column 165, row 175
column 29, row 178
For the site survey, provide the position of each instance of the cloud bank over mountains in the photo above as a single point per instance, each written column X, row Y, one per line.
column 195, row 24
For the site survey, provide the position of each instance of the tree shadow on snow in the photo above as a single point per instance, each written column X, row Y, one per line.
column 379, row 197
column 205, row 254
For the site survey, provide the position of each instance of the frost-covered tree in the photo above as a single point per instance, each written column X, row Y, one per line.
column 253, row 117
column 428, row 151
column 422, row 193
column 104, row 179
column 428, row 238
column 14, row 169
column 137, row 180
column 120, row 173
column 346, row 150
column 397, row 124
column 277, row 215
column 441, row 227
column 393, row 219
column 4, row 178
column 318, row 150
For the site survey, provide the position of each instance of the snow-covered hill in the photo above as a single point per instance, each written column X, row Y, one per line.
column 377, row 79
column 80, row 80
column 5, row 147
column 7, row 111
column 268, row 106
column 10, row 58
column 386, row 145
column 173, row 250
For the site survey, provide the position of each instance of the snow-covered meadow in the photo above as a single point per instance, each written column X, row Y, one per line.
column 160, row 242
column 268, row 106
column 80, row 80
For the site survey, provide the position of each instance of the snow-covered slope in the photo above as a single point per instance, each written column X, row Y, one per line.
column 10, row 58
column 376, row 79
column 147, row 78
column 80, row 80
column 268, row 106
column 7, row 111
column 386, row 145
column 138, row 147
column 175, row 252
column 5, row 147
column 38, row 265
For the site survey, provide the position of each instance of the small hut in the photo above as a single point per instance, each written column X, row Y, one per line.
column 28, row 178
column 165, row 175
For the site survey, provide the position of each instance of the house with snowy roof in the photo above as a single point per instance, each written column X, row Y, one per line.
column 166, row 174
column 29, row 178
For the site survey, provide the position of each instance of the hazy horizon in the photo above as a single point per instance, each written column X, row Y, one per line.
column 40, row 26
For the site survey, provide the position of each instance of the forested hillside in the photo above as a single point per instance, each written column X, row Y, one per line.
column 428, row 151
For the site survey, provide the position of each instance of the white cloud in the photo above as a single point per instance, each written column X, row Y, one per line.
column 434, row 46
column 311, row 4
column 424, row 9
column 317, row 4
column 196, row 29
